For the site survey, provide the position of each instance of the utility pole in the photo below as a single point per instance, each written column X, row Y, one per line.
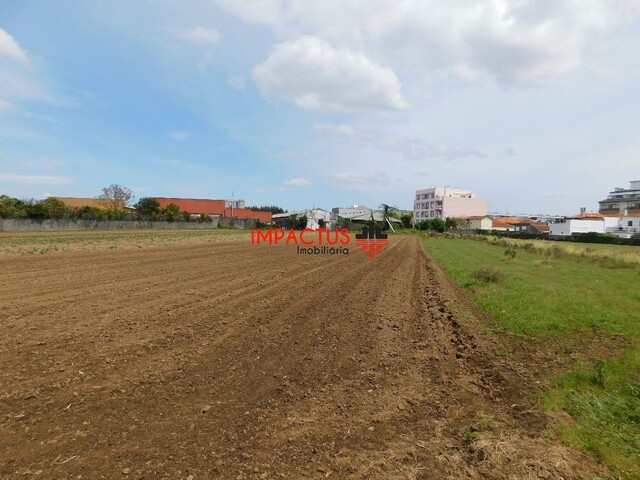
column 232, row 204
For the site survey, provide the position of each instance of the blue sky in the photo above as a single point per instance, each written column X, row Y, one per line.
column 533, row 104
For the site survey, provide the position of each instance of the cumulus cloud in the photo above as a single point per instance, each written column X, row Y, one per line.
column 200, row 35
column 10, row 48
column 298, row 182
column 314, row 75
column 408, row 147
column 515, row 41
column 361, row 179
column 36, row 179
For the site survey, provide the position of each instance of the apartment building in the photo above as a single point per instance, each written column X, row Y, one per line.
column 447, row 202
column 622, row 201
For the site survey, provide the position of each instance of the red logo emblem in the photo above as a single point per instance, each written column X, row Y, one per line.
column 371, row 240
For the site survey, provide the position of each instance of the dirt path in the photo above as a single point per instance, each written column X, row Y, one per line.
column 240, row 361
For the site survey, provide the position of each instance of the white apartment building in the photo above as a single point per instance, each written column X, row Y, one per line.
column 447, row 202
column 622, row 201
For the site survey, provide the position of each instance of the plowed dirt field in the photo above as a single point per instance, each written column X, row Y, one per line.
column 228, row 360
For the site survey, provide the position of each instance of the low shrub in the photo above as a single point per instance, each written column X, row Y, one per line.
column 511, row 252
column 488, row 275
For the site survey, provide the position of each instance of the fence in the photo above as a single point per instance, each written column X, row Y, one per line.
column 29, row 225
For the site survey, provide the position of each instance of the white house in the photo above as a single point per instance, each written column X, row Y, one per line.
column 577, row 225
column 479, row 222
column 623, row 227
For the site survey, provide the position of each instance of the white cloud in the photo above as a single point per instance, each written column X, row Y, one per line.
column 361, row 179
column 36, row 179
column 200, row 35
column 298, row 182
column 515, row 41
column 10, row 48
column 237, row 81
column 180, row 135
column 410, row 148
column 276, row 189
column 314, row 75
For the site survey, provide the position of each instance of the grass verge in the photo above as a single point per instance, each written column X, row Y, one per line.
column 546, row 295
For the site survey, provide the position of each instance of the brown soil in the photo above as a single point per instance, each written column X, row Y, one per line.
column 227, row 360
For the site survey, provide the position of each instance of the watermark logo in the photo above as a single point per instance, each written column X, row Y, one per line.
column 371, row 240
column 323, row 241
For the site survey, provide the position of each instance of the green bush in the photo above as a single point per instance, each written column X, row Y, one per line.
column 488, row 275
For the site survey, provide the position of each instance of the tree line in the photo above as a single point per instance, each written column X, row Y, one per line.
column 113, row 201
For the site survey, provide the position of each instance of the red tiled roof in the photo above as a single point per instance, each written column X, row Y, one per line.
column 513, row 220
column 495, row 223
column 541, row 227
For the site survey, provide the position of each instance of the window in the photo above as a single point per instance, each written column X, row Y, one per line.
column 431, row 214
column 630, row 223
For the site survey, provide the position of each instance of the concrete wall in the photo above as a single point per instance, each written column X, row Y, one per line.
column 455, row 207
column 230, row 222
column 9, row 225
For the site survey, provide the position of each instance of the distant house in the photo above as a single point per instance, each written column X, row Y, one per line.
column 593, row 222
column 314, row 216
column 199, row 206
column 577, row 225
column 477, row 222
column 529, row 226
column 627, row 227
column 500, row 226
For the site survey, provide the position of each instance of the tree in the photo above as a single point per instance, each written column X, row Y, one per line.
column 300, row 223
column 387, row 213
column 53, row 208
column 423, row 225
column 438, row 225
column 452, row 222
column 322, row 223
column 406, row 219
column 12, row 207
column 116, row 197
column 274, row 209
column 171, row 212
column 147, row 207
